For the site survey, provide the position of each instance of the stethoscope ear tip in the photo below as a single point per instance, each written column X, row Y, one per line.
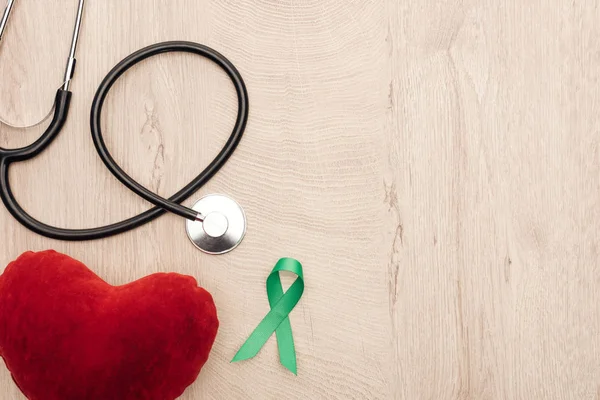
column 222, row 227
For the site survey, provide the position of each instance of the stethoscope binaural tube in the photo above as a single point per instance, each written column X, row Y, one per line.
column 62, row 101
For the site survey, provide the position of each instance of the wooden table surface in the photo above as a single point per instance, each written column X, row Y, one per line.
column 434, row 164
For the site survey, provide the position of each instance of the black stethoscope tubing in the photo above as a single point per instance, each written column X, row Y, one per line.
column 61, row 109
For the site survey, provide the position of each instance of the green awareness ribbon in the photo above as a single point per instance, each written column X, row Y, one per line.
column 277, row 319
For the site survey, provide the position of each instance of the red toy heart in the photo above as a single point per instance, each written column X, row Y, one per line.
column 65, row 334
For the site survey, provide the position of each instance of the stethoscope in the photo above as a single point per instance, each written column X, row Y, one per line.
column 216, row 224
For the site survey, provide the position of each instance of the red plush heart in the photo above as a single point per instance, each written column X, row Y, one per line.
column 65, row 334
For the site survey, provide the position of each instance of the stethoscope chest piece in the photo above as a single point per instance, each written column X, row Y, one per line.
column 222, row 227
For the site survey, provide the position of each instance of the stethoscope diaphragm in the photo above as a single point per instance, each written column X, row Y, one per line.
column 221, row 227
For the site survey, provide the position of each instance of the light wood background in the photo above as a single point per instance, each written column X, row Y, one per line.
column 434, row 164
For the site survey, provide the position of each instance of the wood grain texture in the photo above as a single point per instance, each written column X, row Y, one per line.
column 434, row 164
